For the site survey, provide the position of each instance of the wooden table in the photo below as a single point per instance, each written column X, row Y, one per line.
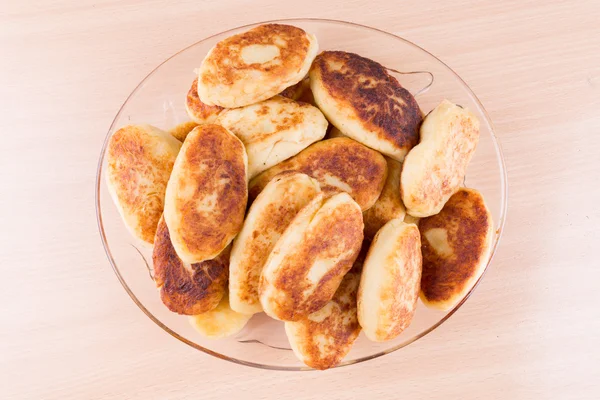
column 69, row 330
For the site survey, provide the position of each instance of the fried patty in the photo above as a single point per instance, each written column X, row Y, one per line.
column 269, row 215
column 311, row 257
column 206, row 196
column 322, row 339
column 198, row 111
column 456, row 248
column 255, row 65
column 436, row 167
column 184, row 288
column 274, row 130
column 365, row 102
column 390, row 280
column 340, row 165
column 139, row 163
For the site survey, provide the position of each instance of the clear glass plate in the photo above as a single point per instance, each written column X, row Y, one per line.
column 159, row 100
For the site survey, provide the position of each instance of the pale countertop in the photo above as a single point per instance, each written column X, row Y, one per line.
column 69, row 330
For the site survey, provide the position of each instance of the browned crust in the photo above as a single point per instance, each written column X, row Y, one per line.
column 291, row 57
column 222, row 155
column 378, row 100
column 185, row 291
column 404, row 310
column 361, row 168
column 466, row 221
column 130, row 163
column 341, row 232
column 280, row 215
column 341, row 327
column 288, row 115
column 389, row 204
column 196, row 109
column 181, row 130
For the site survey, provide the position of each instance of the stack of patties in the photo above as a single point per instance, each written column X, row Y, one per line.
column 252, row 208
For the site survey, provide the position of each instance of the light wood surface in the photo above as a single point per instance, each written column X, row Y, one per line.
column 68, row 329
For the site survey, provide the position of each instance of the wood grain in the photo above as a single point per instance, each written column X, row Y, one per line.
column 69, row 331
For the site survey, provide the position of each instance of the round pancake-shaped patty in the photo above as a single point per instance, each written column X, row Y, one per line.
column 311, row 257
column 365, row 102
column 340, row 165
column 322, row 339
column 456, row 248
column 389, row 285
column 269, row 215
column 206, row 196
column 274, row 130
column 184, row 288
column 198, row 111
column 436, row 167
column 255, row 65
column 389, row 204
column 219, row 322
column 139, row 163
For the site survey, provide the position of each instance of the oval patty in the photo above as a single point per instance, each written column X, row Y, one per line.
column 390, row 281
column 139, row 163
column 456, row 248
column 188, row 289
column 269, row 215
column 206, row 196
column 255, row 65
column 198, row 111
column 274, row 130
column 365, row 102
column 310, row 259
column 340, row 165
column 322, row 339
column 436, row 167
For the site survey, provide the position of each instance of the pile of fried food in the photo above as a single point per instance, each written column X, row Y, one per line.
column 254, row 206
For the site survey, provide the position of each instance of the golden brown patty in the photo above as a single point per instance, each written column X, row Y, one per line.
column 365, row 102
column 269, row 215
column 201, row 113
column 181, row 131
column 206, row 196
column 322, row 339
column 255, row 65
column 311, row 257
column 274, row 130
column 436, row 167
column 198, row 111
column 139, row 162
column 339, row 164
column 456, row 248
column 389, row 285
column 389, row 204
column 184, row 288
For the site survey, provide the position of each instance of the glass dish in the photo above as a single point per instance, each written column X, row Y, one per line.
column 159, row 100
